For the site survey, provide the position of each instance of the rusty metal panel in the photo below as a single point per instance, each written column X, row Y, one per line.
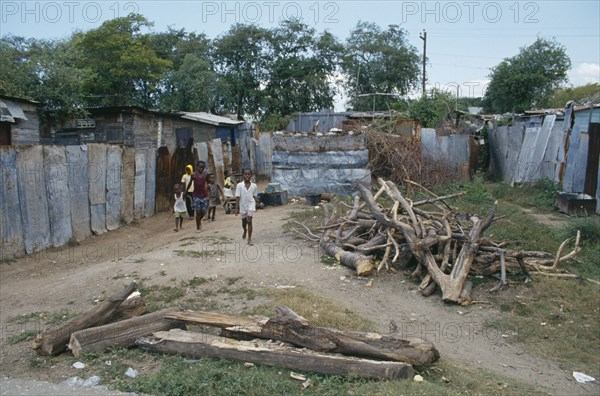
column 139, row 197
column 202, row 152
column 59, row 198
column 33, row 199
column 127, row 184
column 580, row 163
column 550, row 160
column 114, row 158
column 150, row 195
column 216, row 151
column 97, row 177
column 525, row 166
column 11, row 228
column 428, row 141
column 572, row 154
column 77, row 162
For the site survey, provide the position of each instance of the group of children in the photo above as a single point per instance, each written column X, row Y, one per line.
column 202, row 192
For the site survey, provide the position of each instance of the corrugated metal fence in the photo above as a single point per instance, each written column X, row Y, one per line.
column 556, row 149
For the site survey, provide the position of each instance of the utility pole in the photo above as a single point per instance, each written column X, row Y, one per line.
column 424, row 38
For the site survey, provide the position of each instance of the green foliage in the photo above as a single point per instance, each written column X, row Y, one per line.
column 382, row 61
column 583, row 95
column 241, row 59
column 432, row 109
column 125, row 69
column 299, row 66
column 528, row 78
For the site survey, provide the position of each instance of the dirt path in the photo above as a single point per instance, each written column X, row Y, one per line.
column 73, row 277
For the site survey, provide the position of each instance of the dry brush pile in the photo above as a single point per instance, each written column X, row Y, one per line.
column 443, row 247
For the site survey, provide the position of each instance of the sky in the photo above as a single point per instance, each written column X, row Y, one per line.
column 464, row 38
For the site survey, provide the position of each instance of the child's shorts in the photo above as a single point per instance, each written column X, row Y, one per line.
column 180, row 214
column 249, row 213
column 200, row 204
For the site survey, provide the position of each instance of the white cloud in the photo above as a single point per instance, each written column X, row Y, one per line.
column 585, row 73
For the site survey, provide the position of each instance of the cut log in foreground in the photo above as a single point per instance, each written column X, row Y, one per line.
column 120, row 334
column 292, row 328
column 53, row 342
column 198, row 345
column 363, row 265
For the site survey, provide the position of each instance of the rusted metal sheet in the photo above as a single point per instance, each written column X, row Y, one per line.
column 114, row 159
column 316, row 143
column 11, row 228
column 139, row 197
column 33, row 199
column 202, row 148
column 551, row 155
column 266, row 153
column 312, row 172
column 127, row 184
column 56, row 177
column 77, row 163
column 580, row 164
column 572, row 153
column 524, row 164
column 97, row 180
column 164, row 180
column 150, row 195
column 216, row 153
column 428, row 142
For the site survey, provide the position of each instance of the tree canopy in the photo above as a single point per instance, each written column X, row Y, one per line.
column 527, row 79
column 379, row 61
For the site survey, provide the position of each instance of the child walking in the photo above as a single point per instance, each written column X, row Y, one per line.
column 179, row 209
column 245, row 194
column 214, row 193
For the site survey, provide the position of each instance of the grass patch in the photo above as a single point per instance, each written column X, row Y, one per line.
column 61, row 316
column 159, row 297
column 231, row 280
column 30, row 317
column 25, row 335
column 328, row 260
column 194, row 253
column 571, row 330
column 195, row 282
column 318, row 310
column 249, row 294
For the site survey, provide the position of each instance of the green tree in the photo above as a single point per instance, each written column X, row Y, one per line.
column 379, row 61
column 300, row 69
column 190, row 83
column 528, row 78
column 240, row 57
column 125, row 69
column 432, row 109
column 18, row 69
column 584, row 95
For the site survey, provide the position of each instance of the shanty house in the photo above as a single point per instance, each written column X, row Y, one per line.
column 19, row 121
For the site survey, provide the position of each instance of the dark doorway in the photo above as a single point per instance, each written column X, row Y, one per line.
column 5, row 139
column 591, row 170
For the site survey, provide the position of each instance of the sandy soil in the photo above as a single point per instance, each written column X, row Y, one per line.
column 74, row 277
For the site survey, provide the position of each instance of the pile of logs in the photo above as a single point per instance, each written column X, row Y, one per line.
column 288, row 340
column 443, row 247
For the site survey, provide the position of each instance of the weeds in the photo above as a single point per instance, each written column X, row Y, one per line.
column 25, row 335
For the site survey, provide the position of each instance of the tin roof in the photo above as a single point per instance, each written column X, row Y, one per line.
column 211, row 119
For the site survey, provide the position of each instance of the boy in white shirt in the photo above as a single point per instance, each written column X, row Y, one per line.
column 245, row 194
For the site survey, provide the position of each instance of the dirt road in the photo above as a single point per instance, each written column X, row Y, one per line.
column 74, row 277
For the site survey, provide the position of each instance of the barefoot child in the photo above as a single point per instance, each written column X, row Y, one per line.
column 245, row 194
column 179, row 209
column 214, row 193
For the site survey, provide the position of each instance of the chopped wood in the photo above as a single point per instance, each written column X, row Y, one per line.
column 199, row 345
column 53, row 342
column 120, row 334
column 292, row 328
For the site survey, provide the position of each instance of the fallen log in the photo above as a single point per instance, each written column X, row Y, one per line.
column 292, row 328
column 130, row 308
column 198, row 345
column 363, row 265
column 53, row 342
column 120, row 334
